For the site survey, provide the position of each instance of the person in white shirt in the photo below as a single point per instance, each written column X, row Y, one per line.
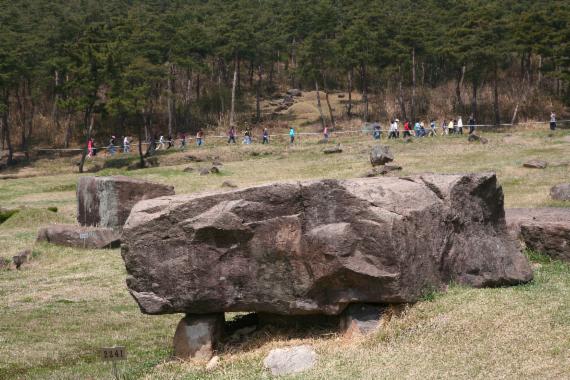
column 553, row 120
column 460, row 125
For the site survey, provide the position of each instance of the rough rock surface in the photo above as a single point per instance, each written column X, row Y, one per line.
column 107, row 201
column 545, row 230
column 81, row 237
column 285, row 361
column 314, row 247
column 196, row 336
column 560, row 192
column 382, row 170
column 536, row 164
column 381, row 155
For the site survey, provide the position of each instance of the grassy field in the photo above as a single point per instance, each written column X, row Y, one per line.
column 59, row 309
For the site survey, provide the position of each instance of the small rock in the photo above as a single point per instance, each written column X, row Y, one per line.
column 381, row 155
column 238, row 335
column 382, row 170
column 285, row 361
column 536, row 164
column 560, row 192
column 229, row 184
column 214, row 170
column 333, row 150
column 204, row 171
column 475, row 138
column 193, row 158
column 294, row 92
column 71, row 235
column 213, row 363
column 21, row 258
column 189, row 170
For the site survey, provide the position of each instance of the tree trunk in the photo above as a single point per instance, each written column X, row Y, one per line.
column 238, row 69
column 233, row 104
column 258, row 94
column 331, row 115
column 141, row 156
column 197, row 87
column 364, row 90
column 539, row 81
column 6, row 127
column 514, row 119
column 170, row 99
column 271, row 75
column 319, row 104
column 459, row 84
column 349, row 107
column 474, row 99
column 88, row 117
column 496, row 95
column 413, row 110
column 251, row 72
column 401, row 95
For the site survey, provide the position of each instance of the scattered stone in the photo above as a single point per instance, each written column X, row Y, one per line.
column 333, row 150
column 381, row 155
column 361, row 318
column 21, row 258
column 229, row 184
column 4, row 263
column 286, row 361
column 536, row 164
column 294, row 92
column 214, row 170
column 213, row 363
column 476, row 138
column 301, row 247
column 193, row 158
column 189, row 169
column 382, row 170
column 80, row 237
column 240, row 334
column 196, row 336
column 560, row 192
column 545, row 230
column 204, row 171
column 107, row 201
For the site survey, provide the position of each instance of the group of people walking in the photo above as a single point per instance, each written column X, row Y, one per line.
column 409, row 129
column 419, row 129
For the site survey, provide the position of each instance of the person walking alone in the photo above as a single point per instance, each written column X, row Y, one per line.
column 292, row 135
column 265, row 136
column 232, row 135
column 553, row 121
column 471, row 124
column 200, row 138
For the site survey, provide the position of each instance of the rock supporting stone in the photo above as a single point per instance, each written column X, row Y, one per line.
column 107, row 201
column 80, row 237
column 196, row 336
column 333, row 150
column 545, row 230
column 361, row 318
column 314, row 247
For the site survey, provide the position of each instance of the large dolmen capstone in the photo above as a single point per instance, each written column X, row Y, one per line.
column 315, row 247
column 107, row 201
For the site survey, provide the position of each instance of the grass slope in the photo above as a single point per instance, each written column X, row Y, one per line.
column 65, row 304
